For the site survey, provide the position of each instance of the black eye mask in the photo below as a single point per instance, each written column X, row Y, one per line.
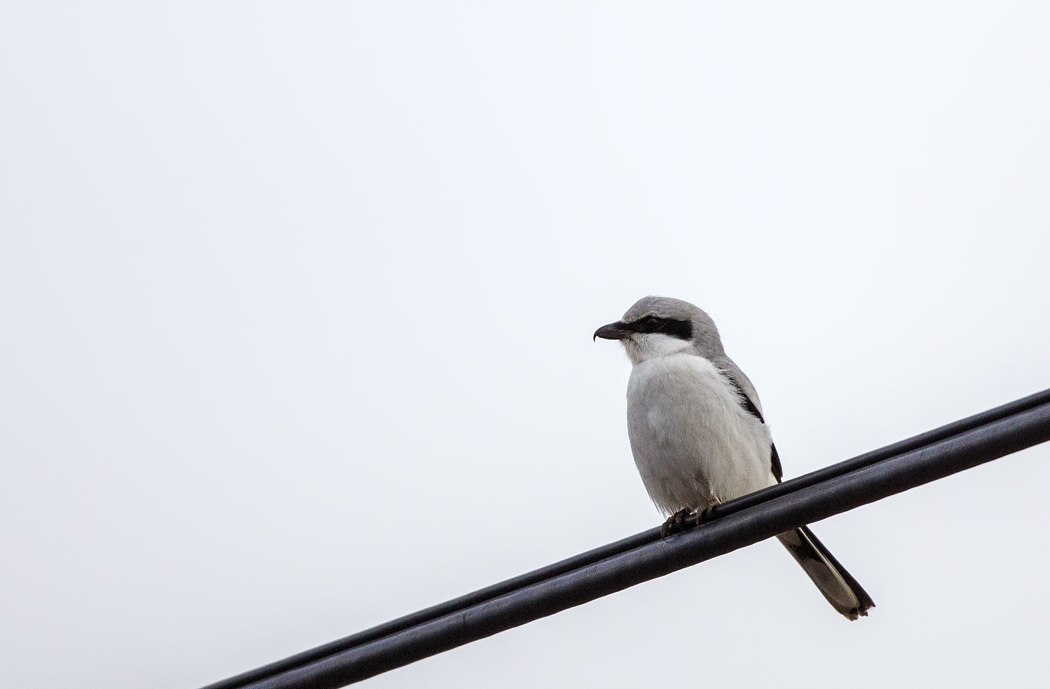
column 683, row 330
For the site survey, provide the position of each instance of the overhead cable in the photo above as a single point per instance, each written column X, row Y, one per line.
column 869, row 477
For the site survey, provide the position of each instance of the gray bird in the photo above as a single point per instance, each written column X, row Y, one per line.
column 698, row 434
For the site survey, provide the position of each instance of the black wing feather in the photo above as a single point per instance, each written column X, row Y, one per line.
column 746, row 403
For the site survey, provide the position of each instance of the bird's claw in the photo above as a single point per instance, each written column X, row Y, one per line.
column 674, row 524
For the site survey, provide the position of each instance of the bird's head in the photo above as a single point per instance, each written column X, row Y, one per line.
column 661, row 326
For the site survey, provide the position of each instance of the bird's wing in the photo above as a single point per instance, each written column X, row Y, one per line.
column 749, row 401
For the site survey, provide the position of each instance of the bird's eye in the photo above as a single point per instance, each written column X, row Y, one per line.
column 649, row 324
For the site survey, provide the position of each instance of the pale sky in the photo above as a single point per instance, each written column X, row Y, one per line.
column 297, row 313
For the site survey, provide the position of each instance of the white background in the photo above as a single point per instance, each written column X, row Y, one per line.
column 297, row 303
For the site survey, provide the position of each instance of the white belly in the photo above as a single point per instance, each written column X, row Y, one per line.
column 693, row 442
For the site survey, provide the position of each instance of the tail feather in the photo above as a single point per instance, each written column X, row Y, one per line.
column 838, row 586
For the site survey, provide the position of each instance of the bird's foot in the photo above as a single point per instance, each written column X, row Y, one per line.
column 675, row 523
column 707, row 514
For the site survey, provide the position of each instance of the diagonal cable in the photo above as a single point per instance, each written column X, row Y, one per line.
column 869, row 477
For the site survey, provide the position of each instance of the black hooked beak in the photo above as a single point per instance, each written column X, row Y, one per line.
column 613, row 331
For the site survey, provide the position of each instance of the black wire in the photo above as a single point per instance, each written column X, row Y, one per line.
column 900, row 447
column 576, row 580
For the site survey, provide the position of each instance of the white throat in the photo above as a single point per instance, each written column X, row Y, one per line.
column 644, row 346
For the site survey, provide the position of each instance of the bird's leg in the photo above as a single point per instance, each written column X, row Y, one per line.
column 674, row 523
column 707, row 513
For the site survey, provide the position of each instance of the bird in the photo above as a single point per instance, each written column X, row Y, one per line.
column 698, row 434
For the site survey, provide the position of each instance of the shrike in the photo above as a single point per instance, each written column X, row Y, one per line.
column 698, row 434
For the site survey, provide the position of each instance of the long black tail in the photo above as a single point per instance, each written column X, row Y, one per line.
column 841, row 589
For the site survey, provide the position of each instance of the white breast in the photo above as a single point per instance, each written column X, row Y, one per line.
column 693, row 442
